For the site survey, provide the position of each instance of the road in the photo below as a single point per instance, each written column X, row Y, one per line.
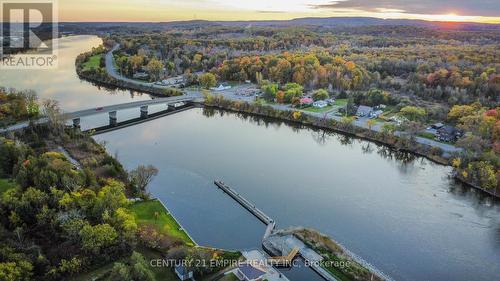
column 229, row 94
column 110, row 68
column 106, row 109
column 135, row 104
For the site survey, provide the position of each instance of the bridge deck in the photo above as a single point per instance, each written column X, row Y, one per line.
column 135, row 104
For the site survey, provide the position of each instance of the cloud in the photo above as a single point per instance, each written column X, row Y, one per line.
column 270, row 12
column 461, row 7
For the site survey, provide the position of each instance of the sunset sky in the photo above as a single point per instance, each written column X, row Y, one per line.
column 171, row 10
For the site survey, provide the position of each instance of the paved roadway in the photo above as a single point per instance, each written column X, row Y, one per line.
column 110, row 68
column 106, row 109
column 135, row 104
column 193, row 95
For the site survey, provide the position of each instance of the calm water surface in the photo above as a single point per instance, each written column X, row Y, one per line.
column 403, row 215
column 63, row 84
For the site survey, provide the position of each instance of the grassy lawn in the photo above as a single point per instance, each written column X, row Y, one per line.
column 6, row 184
column 145, row 211
column 427, row 135
column 318, row 110
column 229, row 277
column 93, row 62
column 341, row 102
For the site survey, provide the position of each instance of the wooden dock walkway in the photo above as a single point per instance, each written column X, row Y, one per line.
column 250, row 207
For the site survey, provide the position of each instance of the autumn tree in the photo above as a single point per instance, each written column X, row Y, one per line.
column 320, row 94
column 155, row 68
column 208, row 80
column 141, row 177
column 136, row 62
column 413, row 113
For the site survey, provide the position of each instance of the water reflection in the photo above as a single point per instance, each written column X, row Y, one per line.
column 400, row 212
column 63, row 84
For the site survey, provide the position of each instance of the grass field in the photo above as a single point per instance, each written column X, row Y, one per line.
column 6, row 184
column 318, row 110
column 153, row 212
column 93, row 62
column 341, row 102
column 229, row 277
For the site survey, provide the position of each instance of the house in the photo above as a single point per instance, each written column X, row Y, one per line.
column 220, row 88
column 376, row 114
column 306, row 101
column 436, row 126
column 183, row 273
column 449, row 133
column 364, row 111
column 320, row 104
column 247, row 272
column 140, row 75
column 174, row 81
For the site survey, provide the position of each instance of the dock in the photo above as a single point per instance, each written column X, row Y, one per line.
column 290, row 248
column 250, row 207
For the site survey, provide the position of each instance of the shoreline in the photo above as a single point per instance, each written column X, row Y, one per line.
column 358, row 132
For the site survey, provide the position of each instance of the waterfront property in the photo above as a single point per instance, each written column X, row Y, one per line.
column 275, row 181
column 364, row 111
column 361, row 201
column 153, row 212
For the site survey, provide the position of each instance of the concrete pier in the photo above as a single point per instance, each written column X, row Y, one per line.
column 113, row 119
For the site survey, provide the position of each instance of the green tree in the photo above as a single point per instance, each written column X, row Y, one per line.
column 141, row 270
column 14, row 271
column 208, row 80
column 120, row 272
column 269, row 91
column 413, row 113
column 95, row 238
column 320, row 94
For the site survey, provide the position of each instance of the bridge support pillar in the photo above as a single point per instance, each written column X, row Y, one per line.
column 112, row 118
column 144, row 111
column 76, row 123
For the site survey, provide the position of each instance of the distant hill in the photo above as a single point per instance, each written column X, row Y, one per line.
column 334, row 21
column 322, row 22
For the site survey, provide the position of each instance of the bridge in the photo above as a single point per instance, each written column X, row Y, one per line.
column 112, row 109
column 177, row 101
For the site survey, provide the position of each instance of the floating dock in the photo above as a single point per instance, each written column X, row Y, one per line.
column 250, row 207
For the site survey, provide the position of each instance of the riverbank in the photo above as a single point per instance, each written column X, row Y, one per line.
column 337, row 260
column 89, row 67
column 397, row 143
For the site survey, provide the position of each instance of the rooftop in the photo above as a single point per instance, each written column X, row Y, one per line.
column 250, row 272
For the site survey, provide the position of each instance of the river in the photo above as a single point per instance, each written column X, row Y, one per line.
column 401, row 213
